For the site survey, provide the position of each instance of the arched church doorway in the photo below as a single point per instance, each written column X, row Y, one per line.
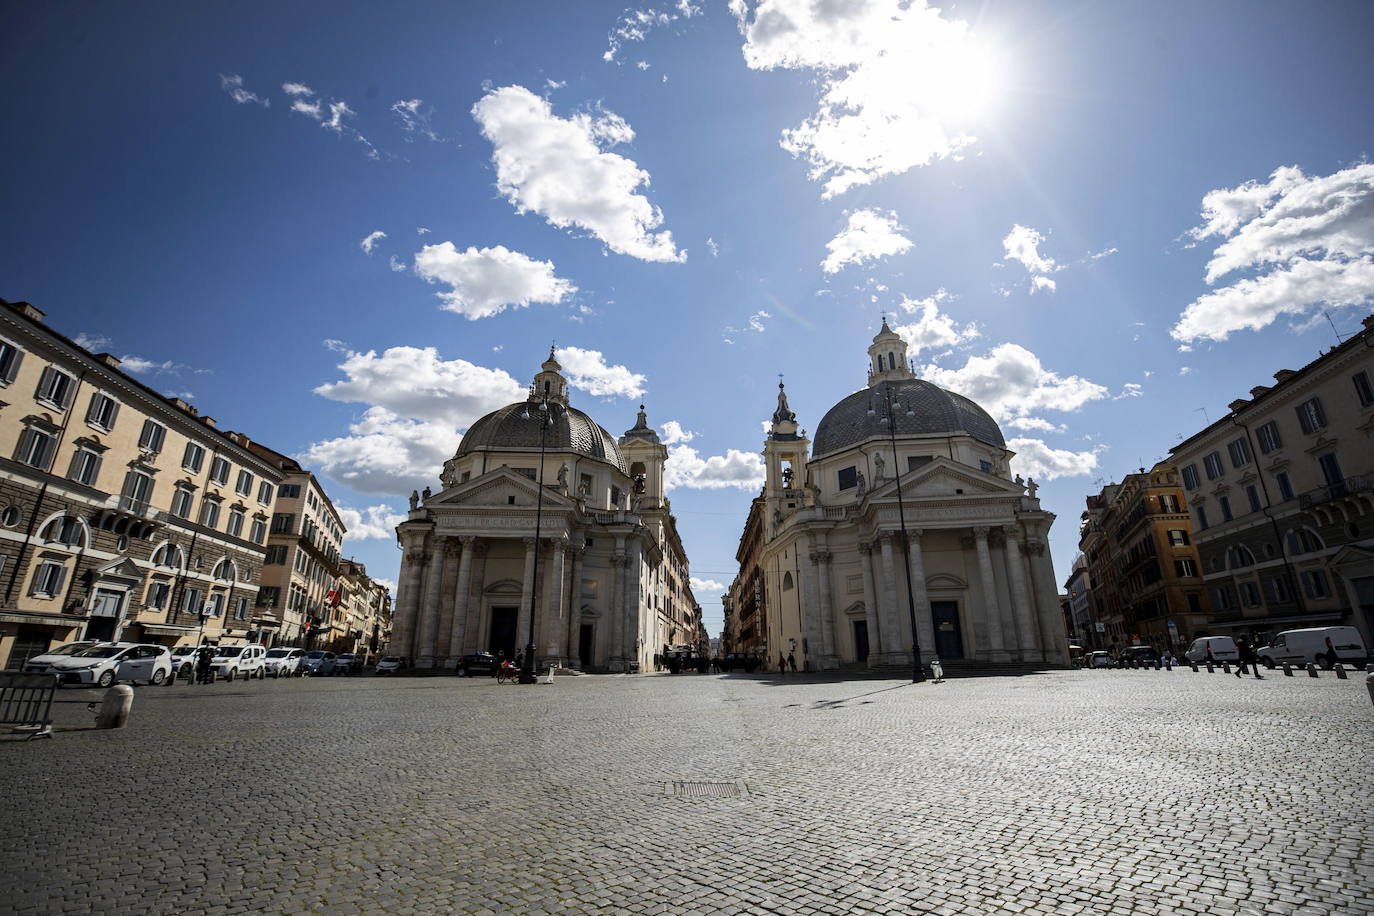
column 503, row 635
column 949, row 639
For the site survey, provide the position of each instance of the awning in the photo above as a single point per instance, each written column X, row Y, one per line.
column 1337, row 614
column 42, row 620
column 165, row 629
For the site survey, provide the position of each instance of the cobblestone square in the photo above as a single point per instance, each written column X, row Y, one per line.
column 1057, row 793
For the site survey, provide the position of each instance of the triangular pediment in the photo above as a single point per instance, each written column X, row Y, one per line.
column 943, row 479
column 495, row 489
column 1351, row 556
column 124, row 568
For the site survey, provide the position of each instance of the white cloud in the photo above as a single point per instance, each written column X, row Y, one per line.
column 371, row 241
column 1185, row 370
column 1296, row 242
column 369, row 522
column 933, row 330
column 385, row 454
column 96, row 343
column 712, row 247
column 1010, row 382
column 587, row 369
column 484, row 282
column 1130, row 390
column 556, row 167
column 396, row 264
column 869, row 235
column 1023, row 244
column 686, row 468
column 673, row 433
column 898, row 82
column 634, row 25
column 422, row 230
column 311, row 109
column 388, row 584
column 1036, row 459
column 414, row 121
column 706, row 586
column 141, row 366
column 297, row 89
column 756, row 320
column 306, row 102
column 1034, row 423
column 232, row 83
column 1043, row 283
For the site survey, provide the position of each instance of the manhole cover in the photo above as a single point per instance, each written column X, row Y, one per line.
column 707, row 789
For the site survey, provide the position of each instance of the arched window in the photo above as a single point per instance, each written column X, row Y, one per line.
column 787, row 582
column 1239, row 556
column 169, row 555
column 891, row 361
column 65, row 529
column 1304, row 540
column 225, row 570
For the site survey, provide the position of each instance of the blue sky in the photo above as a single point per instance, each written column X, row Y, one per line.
column 1102, row 221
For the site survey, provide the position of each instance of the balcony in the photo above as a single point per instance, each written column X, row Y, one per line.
column 1336, row 490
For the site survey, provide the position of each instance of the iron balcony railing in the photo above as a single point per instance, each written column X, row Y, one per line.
column 1335, row 490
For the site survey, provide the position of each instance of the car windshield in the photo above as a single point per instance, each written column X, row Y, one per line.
column 390, row 658
column 70, row 648
column 101, row 652
column 278, row 653
column 316, row 654
column 230, row 651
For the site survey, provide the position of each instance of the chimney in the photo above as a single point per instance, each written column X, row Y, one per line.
column 1259, row 390
column 109, row 359
column 183, row 406
column 28, row 310
column 1284, row 375
column 1237, row 404
column 208, row 421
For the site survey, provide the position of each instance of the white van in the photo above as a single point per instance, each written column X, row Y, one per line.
column 1223, row 649
column 1316, row 645
column 240, row 661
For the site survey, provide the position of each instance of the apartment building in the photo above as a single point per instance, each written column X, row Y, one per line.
column 124, row 514
column 1282, row 498
column 362, row 607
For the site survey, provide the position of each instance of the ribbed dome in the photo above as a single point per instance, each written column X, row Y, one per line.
column 516, row 426
column 937, row 412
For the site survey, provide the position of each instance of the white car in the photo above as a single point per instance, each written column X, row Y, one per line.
column 40, row 664
column 106, row 663
column 318, row 661
column 1223, row 649
column 184, row 660
column 284, row 661
column 1323, row 646
column 390, row 664
column 248, row 661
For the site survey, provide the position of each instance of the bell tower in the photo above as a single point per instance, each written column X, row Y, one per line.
column 784, row 455
column 887, row 357
column 645, row 456
column 549, row 384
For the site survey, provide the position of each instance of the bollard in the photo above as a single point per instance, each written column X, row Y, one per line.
column 1210, row 669
column 1169, row 665
column 1311, row 670
column 1158, row 664
column 1287, row 671
column 114, row 708
column 1369, row 685
column 549, row 679
column 1225, row 667
column 1340, row 672
column 1193, row 665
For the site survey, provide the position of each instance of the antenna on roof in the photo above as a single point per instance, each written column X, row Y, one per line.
column 1339, row 338
column 1205, row 418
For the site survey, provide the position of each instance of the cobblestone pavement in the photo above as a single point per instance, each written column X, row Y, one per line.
column 1059, row 793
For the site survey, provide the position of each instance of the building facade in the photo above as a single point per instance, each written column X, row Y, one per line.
column 362, row 607
column 1137, row 543
column 124, row 514
column 903, row 512
column 1282, row 496
column 746, row 608
column 543, row 522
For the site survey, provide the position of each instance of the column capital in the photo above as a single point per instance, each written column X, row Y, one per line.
column 866, row 547
column 451, row 546
column 467, row 540
column 529, row 542
column 820, row 555
column 915, row 534
column 981, row 532
column 1035, row 548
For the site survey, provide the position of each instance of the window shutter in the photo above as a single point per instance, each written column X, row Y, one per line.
column 44, row 381
column 114, row 413
column 92, row 409
column 12, row 370
column 68, row 392
column 58, row 580
column 1320, row 414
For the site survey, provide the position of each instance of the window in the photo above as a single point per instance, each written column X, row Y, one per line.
column 181, row 503
column 1311, row 417
column 1178, row 537
column 1169, row 503
column 10, row 517
column 1285, row 485
column 284, row 523
column 1331, row 471
column 64, row 530
column 1278, row 589
column 1314, row 584
column 1301, row 540
column 190, row 602
column 1239, row 556
column 10, row 358
column 1252, row 494
column 985, row 466
column 240, row 608
column 1249, row 594
column 615, row 497
column 1225, row 504
column 244, row 485
column 1239, row 450
column 85, row 467
column 268, row 596
column 259, row 530
column 138, row 487
column 1268, row 436
column 1212, row 463
column 219, row 471
column 289, row 491
column 102, row 411
column 265, row 493
column 47, row 581
column 915, row 461
column 55, row 388
column 194, row 458
column 235, row 527
column 1201, row 518
column 275, row 556
column 36, row 447
column 1362, row 388
column 848, row 478
column 168, row 555
column 225, row 570
column 209, row 513
column 1221, row 598
column 1190, row 477
column 787, row 582
column 150, row 440
column 158, row 592
column 1185, row 568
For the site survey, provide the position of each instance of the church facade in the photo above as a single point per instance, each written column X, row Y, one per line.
column 544, row 518
column 902, row 511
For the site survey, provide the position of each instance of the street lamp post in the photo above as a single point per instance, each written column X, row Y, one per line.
column 527, row 672
column 917, row 675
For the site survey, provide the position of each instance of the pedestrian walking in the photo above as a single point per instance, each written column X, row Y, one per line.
column 792, row 662
column 203, row 659
column 782, row 664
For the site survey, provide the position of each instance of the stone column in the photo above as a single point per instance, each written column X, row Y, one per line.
column 555, row 625
column 925, row 627
column 458, row 634
column 574, row 598
column 409, row 592
column 810, row 604
column 522, row 619
column 992, row 614
column 448, row 599
column 1005, row 601
column 821, row 557
column 479, row 580
column 616, row 611
column 875, row 644
column 631, row 608
column 1020, row 599
column 429, row 619
column 892, row 631
column 1046, row 611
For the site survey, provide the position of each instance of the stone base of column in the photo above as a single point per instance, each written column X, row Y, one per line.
column 884, row 659
column 829, row 662
column 425, row 661
column 552, row 661
column 993, row 655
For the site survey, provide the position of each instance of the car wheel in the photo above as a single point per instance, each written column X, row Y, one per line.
column 107, row 678
column 462, row 672
column 231, row 674
column 158, row 677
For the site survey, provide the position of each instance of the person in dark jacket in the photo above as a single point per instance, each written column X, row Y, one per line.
column 204, row 658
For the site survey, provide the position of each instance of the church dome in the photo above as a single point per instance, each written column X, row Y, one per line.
column 516, row 427
column 933, row 412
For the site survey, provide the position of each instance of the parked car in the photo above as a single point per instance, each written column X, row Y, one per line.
column 347, row 663
column 40, row 664
column 478, row 663
column 107, row 663
column 184, row 660
column 248, row 661
column 1141, row 655
column 389, row 664
column 1100, row 660
column 1223, row 649
column 317, row 661
column 284, row 661
column 1323, row 646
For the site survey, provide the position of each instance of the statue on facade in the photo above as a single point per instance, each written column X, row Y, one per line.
column 1019, row 482
column 426, row 495
column 1032, row 486
column 639, row 484
column 878, row 475
column 863, row 484
column 563, row 477
column 787, row 478
column 414, row 499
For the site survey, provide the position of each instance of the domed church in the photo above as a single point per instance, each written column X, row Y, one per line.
column 903, row 507
column 583, row 542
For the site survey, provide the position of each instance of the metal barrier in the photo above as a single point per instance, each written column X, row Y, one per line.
column 26, row 702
